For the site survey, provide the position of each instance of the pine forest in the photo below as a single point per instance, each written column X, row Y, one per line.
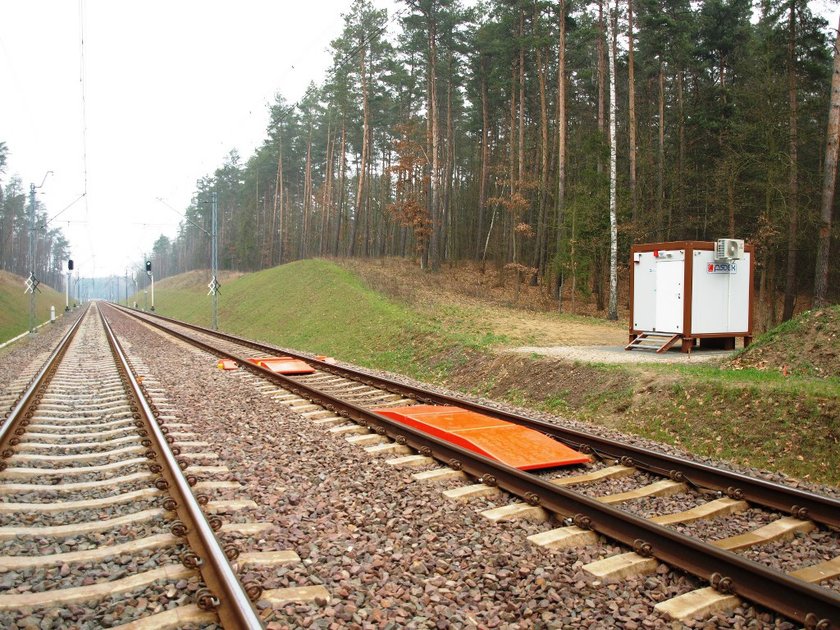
column 543, row 139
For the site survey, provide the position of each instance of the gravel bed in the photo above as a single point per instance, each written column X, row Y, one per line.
column 113, row 611
column 74, row 574
column 100, row 447
column 99, row 460
column 79, row 495
column 45, row 545
column 32, row 519
column 617, row 485
column 28, row 354
column 726, row 526
column 655, row 506
column 392, row 552
column 54, row 479
column 806, row 549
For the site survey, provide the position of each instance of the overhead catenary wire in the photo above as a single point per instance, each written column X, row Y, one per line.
column 84, row 100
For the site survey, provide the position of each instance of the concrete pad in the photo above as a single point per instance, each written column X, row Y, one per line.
column 564, row 537
column 516, row 512
column 780, row 529
column 267, row 558
column 410, row 460
column 611, row 472
column 328, row 422
column 712, row 509
column 369, row 439
column 622, row 566
column 350, row 429
column 465, row 493
column 439, row 474
column 817, row 573
column 662, row 488
column 280, row 596
column 172, row 619
column 699, row 603
column 390, row 448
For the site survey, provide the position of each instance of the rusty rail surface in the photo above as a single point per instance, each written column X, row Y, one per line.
column 813, row 606
column 226, row 595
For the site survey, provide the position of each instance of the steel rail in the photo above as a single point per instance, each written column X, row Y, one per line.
column 797, row 502
column 234, row 606
column 17, row 418
column 794, row 598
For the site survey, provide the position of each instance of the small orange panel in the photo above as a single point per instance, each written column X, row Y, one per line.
column 509, row 443
column 227, row 364
column 284, row 365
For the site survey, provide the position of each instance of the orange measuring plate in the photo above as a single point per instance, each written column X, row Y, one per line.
column 227, row 364
column 284, row 365
column 509, row 443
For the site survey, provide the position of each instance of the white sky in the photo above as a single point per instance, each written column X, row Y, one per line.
column 171, row 86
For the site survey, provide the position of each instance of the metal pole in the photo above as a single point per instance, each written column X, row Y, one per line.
column 152, row 276
column 214, row 262
column 32, row 258
column 67, row 294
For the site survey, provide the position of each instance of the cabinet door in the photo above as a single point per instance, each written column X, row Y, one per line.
column 670, row 295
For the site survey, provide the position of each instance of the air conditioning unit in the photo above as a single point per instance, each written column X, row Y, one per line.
column 729, row 249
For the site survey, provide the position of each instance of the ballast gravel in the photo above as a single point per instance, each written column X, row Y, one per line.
column 392, row 552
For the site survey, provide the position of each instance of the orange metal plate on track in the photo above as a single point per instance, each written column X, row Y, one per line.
column 227, row 364
column 284, row 365
column 504, row 441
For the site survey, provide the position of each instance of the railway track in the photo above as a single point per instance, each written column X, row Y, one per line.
column 335, row 395
column 99, row 526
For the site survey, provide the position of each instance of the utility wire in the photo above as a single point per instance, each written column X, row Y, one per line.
column 55, row 216
column 84, row 101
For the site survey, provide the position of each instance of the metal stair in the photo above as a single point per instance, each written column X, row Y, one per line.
column 655, row 341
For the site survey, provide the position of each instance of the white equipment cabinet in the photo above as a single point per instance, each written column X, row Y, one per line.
column 686, row 291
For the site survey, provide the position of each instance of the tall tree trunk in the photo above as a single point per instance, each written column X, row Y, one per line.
column 660, row 166
column 561, row 153
column 613, row 305
column 521, row 158
column 307, row 199
column 829, row 181
column 602, row 71
column 434, row 203
column 341, row 188
column 680, row 148
column 631, row 105
column 793, row 183
column 326, row 199
column 482, row 185
column 542, row 231
column 278, row 196
column 364, row 157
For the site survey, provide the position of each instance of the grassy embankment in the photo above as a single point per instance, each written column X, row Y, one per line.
column 755, row 417
column 14, row 305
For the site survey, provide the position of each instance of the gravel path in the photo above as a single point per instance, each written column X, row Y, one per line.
column 392, row 552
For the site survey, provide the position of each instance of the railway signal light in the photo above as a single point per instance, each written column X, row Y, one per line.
column 70, row 265
column 148, row 266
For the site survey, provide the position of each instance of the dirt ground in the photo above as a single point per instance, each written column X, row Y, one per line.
column 528, row 316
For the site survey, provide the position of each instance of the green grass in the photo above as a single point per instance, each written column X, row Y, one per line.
column 319, row 307
column 14, row 306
